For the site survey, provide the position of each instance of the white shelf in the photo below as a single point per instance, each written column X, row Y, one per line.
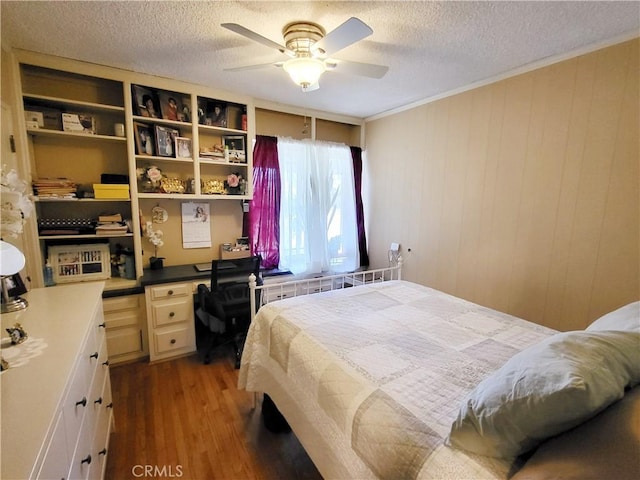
column 211, row 161
column 156, row 158
column 62, row 200
column 44, row 100
column 82, row 236
column 191, row 196
column 161, row 121
column 221, row 129
column 45, row 132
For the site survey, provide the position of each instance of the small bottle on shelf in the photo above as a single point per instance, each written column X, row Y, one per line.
column 48, row 275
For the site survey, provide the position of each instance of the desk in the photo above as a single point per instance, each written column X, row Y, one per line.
column 169, row 304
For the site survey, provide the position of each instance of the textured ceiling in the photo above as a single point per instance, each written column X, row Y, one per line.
column 430, row 47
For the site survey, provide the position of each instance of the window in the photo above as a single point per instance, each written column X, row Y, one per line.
column 318, row 227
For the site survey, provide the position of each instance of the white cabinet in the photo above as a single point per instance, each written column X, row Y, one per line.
column 170, row 320
column 125, row 319
column 56, row 407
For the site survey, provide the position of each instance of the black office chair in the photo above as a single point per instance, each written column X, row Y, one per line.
column 224, row 310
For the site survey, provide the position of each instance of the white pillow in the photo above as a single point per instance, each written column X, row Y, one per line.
column 624, row 318
column 546, row 389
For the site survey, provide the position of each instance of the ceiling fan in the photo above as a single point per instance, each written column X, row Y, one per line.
column 310, row 49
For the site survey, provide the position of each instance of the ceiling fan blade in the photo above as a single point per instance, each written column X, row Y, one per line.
column 256, row 37
column 356, row 68
column 341, row 37
column 253, row 67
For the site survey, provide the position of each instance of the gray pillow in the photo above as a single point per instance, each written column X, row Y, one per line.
column 624, row 318
column 546, row 389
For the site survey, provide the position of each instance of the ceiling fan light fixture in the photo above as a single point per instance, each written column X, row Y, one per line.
column 304, row 71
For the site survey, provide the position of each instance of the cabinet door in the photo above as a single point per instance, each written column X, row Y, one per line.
column 125, row 319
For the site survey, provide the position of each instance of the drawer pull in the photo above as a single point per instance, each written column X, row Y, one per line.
column 98, row 401
column 94, row 355
column 173, row 340
column 82, row 402
column 86, row 460
column 172, row 314
column 170, row 292
column 103, row 325
column 102, row 452
column 110, row 405
column 106, row 363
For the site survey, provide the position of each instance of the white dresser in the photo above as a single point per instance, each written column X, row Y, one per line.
column 56, row 407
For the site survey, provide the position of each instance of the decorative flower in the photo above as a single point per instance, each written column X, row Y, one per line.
column 154, row 174
column 154, row 237
column 233, row 180
column 16, row 203
column 151, row 173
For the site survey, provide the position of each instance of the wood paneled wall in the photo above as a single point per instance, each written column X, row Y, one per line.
column 521, row 195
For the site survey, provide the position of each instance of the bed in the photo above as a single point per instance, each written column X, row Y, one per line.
column 373, row 379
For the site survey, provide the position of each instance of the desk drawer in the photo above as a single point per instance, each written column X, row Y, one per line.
column 170, row 312
column 163, row 292
column 173, row 339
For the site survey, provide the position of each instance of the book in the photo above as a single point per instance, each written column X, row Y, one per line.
column 109, row 217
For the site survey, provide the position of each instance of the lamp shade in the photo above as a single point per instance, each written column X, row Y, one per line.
column 11, row 259
column 304, row 71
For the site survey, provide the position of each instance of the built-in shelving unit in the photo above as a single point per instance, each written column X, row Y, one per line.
column 108, row 103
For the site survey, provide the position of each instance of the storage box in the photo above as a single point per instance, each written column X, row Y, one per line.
column 78, row 123
column 79, row 263
column 231, row 254
column 32, row 117
column 108, row 190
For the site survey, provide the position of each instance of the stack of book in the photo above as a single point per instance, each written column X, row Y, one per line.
column 111, row 224
column 62, row 188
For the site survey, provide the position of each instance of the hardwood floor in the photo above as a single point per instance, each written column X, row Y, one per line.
column 184, row 419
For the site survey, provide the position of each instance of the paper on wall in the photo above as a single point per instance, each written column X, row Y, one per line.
column 196, row 225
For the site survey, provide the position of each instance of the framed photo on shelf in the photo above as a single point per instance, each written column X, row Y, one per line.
column 235, row 143
column 169, row 105
column 216, row 114
column 183, row 148
column 146, row 102
column 144, row 139
column 184, row 113
column 166, row 140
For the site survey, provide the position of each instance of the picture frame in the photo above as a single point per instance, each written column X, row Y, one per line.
column 236, row 146
column 146, row 102
column 169, row 106
column 183, row 148
column 144, row 139
column 184, row 115
column 165, row 140
column 216, row 114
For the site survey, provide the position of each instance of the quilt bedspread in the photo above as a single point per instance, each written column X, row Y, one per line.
column 382, row 370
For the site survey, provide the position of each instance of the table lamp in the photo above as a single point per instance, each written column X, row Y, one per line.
column 11, row 262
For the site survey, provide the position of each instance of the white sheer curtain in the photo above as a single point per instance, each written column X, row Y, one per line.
column 318, row 228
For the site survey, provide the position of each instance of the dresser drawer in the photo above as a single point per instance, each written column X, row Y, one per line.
column 173, row 339
column 163, row 292
column 169, row 312
column 56, row 460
